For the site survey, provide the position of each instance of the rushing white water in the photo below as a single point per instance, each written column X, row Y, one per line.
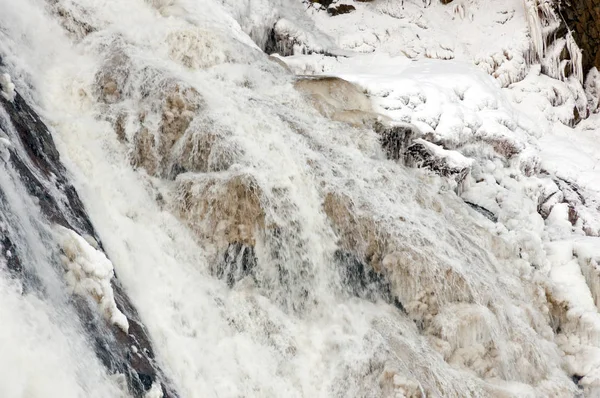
column 184, row 139
column 43, row 349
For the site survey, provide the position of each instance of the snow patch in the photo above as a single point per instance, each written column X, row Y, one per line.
column 88, row 274
column 155, row 391
column 7, row 88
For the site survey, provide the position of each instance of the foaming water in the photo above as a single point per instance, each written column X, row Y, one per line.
column 43, row 349
column 184, row 141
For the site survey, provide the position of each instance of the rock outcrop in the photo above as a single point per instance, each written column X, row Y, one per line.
column 35, row 161
column 583, row 18
column 338, row 99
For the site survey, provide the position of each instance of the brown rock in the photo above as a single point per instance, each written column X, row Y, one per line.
column 221, row 210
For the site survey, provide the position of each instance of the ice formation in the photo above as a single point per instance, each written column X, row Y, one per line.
column 7, row 87
column 88, row 273
column 544, row 19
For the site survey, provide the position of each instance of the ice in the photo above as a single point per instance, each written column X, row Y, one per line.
column 7, row 87
column 88, row 274
column 154, row 392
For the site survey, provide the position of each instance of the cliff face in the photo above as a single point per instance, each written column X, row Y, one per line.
column 583, row 18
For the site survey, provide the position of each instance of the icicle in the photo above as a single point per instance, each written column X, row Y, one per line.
column 543, row 21
column 576, row 57
column 553, row 65
column 535, row 28
column 592, row 89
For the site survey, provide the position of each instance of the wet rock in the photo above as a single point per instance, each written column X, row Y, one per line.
column 221, row 209
column 238, row 262
column 336, row 98
column 485, row 212
column 8, row 253
column 445, row 163
column 178, row 111
column 112, row 78
column 363, row 281
column 360, row 235
column 396, row 138
column 73, row 19
column 153, row 149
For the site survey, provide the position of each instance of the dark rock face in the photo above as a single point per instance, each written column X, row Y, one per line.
column 35, row 163
column 341, row 9
column 362, row 281
column 482, row 210
column 583, row 18
column 282, row 43
column 396, row 139
column 41, row 170
column 324, row 3
column 238, row 262
column 403, row 143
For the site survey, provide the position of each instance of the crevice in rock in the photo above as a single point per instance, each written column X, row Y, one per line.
column 482, row 210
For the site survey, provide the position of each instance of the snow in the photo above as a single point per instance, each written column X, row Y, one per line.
column 88, row 274
column 7, row 88
column 154, row 392
column 453, row 158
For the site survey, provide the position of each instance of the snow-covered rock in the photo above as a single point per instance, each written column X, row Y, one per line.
column 443, row 162
column 88, row 273
column 7, row 87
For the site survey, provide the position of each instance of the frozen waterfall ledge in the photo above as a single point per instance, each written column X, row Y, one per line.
column 88, row 274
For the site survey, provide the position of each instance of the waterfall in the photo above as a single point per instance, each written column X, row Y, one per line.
column 183, row 216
